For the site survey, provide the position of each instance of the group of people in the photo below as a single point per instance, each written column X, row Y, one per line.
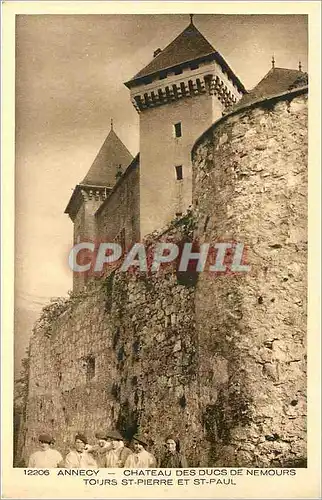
column 110, row 451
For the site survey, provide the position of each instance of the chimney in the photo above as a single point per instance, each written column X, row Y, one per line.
column 157, row 52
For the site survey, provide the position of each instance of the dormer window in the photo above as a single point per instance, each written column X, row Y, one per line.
column 177, row 129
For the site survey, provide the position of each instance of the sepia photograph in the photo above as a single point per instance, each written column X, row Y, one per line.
column 162, row 230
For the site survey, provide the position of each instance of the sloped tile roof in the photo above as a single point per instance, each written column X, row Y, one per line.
column 112, row 154
column 276, row 81
column 189, row 45
column 135, row 164
column 186, row 47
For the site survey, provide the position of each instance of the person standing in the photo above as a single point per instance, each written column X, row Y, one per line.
column 118, row 454
column 141, row 458
column 79, row 458
column 46, row 457
column 99, row 451
column 172, row 458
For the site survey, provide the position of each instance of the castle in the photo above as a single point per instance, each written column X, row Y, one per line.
column 220, row 363
column 179, row 94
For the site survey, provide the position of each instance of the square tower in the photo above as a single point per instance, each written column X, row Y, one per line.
column 91, row 193
column 178, row 95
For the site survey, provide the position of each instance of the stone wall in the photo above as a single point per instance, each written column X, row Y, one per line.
column 157, row 385
column 140, row 331
column 250, row 186
column 218, row 361
column 121, row 210
column 66, row 393
column 84, row 231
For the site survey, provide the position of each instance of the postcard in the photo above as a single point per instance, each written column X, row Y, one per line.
column 161, row 167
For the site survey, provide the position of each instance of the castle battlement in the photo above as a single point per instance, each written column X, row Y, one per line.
column 199, row 78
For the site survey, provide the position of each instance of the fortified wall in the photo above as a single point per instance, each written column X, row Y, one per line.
column 219, row 361
column 250, row 186
column 121, row 353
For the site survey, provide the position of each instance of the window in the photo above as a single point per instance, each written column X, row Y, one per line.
column 194, row 66
column 178, row 71
column 90, row 368
column 179, row 172
column 177, row 129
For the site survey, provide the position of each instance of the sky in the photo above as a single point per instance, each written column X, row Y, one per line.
column 70, row 71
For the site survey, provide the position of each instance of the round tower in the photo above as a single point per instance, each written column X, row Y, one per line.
column 250, row 187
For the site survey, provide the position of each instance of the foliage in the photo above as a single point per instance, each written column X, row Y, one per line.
column 21, row 384
column 56, row 307
column 187, row 222
column 51, row 312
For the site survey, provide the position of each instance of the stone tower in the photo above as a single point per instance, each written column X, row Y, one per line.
column 179, row 94
column 88, row 196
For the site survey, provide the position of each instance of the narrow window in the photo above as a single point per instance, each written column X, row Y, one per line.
column 177, row 129
column 179, row 172
column 90, row 368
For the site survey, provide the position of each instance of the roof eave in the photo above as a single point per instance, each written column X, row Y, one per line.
column 215, row 55
column 224, row 65
column 137, row 80
column 75, row 199
column 71, row 206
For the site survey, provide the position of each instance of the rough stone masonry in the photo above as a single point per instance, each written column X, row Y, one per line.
column 250, row 185
column 218, row 361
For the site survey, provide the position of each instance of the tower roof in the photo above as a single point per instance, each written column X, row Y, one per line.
column 189, row 45
column 112, row 154
column 276, row 81
column 185, row 48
